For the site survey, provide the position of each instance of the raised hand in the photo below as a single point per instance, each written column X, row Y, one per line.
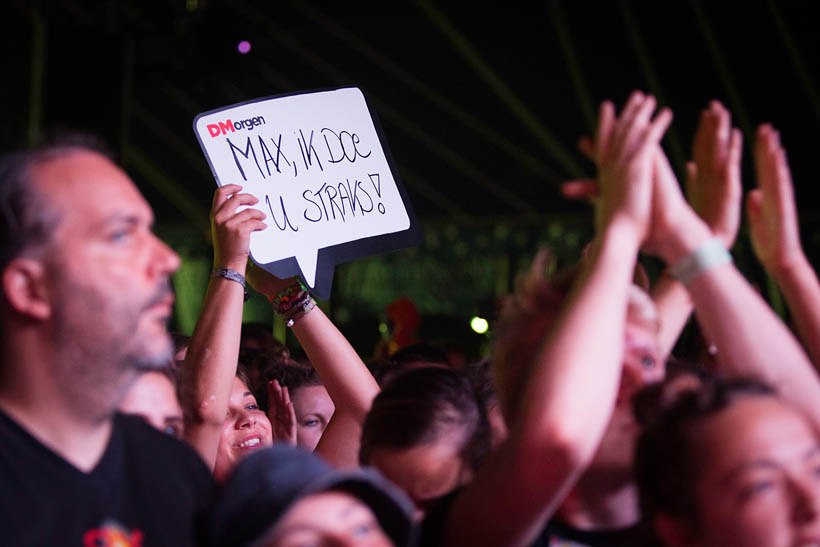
column 624, row 153
column 771, row 209
column 713, row 183
column 281, row 414
column 231, row 230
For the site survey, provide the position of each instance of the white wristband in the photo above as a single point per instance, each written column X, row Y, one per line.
column 711, row 253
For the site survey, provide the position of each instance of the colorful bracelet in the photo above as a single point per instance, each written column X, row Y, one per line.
column 300, row 310
column 710, row 254
column 293, row 302
column 287, row 297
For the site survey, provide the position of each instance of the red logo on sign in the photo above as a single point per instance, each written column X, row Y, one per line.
column 221, row 128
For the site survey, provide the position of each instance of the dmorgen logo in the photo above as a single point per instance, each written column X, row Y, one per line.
column 222, row 128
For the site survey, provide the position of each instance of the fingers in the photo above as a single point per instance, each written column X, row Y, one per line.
column 659, row 125
column 764, row 145
column 723, row 128
column 636, row 130
column 773, row 174
column 691, row 178
column 286, row 396
column 587, row 147
column 624, row 122
column 579, row 189
column 754, row 212
column 228, row 207
column 734, row 155
column 603, row 134
column 702, row 142
column 273, row 401
column 249, row 218
column 222, row 194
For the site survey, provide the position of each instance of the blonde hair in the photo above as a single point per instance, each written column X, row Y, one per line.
column 526, row 318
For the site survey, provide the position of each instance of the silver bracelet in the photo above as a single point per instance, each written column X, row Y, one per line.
column 710, row 254
column 233, row 275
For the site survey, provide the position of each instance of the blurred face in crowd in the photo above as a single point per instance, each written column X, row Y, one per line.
column 758, row 482
column 106, row 273
column 425, row 472
column 313, row 409
column 332, row 519
column 246, row 428
column 154, row 398
column 642, row 365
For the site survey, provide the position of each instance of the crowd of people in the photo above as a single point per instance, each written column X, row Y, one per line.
column 577, row 429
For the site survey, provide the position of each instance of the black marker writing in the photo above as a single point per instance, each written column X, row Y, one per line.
column 344, row 144
column 246, row 154
column 286, row 222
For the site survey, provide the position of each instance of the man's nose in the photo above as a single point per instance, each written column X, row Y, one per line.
column 165, row 260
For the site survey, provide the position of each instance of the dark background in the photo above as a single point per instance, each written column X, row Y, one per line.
column 482, row 109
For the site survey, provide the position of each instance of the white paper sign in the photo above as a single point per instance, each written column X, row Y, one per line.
column 323, row 179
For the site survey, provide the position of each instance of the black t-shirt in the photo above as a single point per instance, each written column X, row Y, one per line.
column 147, row 489
column 555, row 534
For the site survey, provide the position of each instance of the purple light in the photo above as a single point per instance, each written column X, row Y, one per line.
column 244, row 47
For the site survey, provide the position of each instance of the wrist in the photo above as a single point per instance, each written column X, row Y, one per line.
column 683, row 242
column 707, row 256
column 621, row 235
column 231, row 277
column 791, row 270
column 237, row 265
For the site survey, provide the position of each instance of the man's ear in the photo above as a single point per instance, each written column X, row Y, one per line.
column 25, row 288
column 675, row 531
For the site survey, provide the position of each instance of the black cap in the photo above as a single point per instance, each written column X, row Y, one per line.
column 267, row 483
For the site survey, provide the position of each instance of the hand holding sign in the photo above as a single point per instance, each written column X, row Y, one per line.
column 231, row 230
column 322, row 176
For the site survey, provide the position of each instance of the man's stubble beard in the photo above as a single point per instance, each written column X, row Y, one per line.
column 100, row 350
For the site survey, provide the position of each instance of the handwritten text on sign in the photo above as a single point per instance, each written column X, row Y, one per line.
column 317, row 166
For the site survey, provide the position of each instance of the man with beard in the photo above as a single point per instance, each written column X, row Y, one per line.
column 85, row 301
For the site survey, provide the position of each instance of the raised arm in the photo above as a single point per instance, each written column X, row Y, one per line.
column 775, row 237
column 751, row 340
column 573, row 380
column 210, row 364
column 714, row 190
column 344, row 375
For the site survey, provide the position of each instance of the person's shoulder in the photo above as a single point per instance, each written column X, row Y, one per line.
column 170, row 455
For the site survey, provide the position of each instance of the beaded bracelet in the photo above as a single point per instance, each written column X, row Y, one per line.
column 299, row 310
column 293, row 302
column 287, row 297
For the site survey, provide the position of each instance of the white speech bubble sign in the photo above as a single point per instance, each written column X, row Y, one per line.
column 323, row 179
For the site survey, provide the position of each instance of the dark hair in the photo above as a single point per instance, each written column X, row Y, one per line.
column 260, row 335
column 420, row 353
column 422, row 405
column 665, row 460
column 407, row 358
column 287, row 371
column 242, row 374
column 25, row 219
